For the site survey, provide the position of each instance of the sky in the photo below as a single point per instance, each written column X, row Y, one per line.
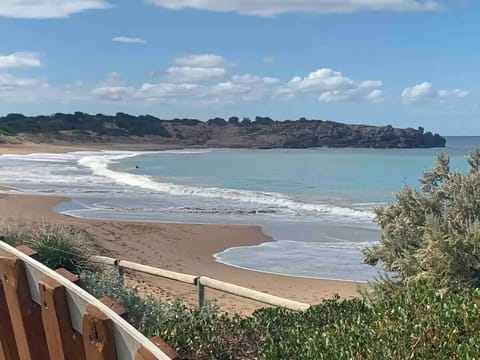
column 407, row 63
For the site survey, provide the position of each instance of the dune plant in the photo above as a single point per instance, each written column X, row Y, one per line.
column 57, row 246
column 416, row 322
column 433, row 234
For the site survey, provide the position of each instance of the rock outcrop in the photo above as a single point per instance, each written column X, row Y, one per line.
column 261, row 133
column 301, row 134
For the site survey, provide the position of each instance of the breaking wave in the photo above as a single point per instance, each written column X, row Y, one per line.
column 99, row 165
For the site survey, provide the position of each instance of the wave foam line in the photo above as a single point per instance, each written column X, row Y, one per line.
column 99, row 166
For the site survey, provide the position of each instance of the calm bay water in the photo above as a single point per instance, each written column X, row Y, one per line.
column 317, row 203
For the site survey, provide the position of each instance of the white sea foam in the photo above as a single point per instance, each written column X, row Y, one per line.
column 199, row 151
column 99, row 165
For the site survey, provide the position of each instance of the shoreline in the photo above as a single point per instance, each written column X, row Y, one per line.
column 271, row 239
column 182, row 247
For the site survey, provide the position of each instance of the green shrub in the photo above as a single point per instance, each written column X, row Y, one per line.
column 433, row 234
column 196, row 333
column 416, row 322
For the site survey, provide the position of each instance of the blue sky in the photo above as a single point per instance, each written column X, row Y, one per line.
column 400, row 62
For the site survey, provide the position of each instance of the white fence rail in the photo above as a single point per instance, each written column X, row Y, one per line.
column 202, row 282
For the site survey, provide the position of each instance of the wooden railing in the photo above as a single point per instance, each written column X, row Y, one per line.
column 45, row 315
column 202, row 282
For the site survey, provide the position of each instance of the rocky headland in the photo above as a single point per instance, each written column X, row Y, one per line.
column 262, row 132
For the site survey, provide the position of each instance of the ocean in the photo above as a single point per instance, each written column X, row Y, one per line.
column 316, row 204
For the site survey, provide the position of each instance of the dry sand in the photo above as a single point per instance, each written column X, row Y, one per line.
column 187, row 248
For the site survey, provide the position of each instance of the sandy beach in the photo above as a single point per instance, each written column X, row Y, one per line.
column 186, row 248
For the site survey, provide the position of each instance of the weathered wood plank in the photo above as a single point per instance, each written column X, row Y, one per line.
column 144, row 354
column 63, row 342
column 98, row 337
column 27, row 251
column 8, row 346
column 69, row 276
column 2, row 353
column 25, row 315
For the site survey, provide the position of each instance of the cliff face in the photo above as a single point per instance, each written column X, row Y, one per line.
column 306, row 134
column 261, row 133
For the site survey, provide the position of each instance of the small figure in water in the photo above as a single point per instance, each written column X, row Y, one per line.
column 137, row 167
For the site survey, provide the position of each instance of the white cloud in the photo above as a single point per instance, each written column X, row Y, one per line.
column 456, row 93
column 328, row 85
column 129, row 40
column 113, row 93
column 27, row 90
column 201, row 60
column 275, row 7
column 418, row 93
column 245, row 87
column 193, row 74
column 9, row 82
column 19, row 60
column 194, row 68
column 47, row 9
column 113, row 88
column 425, row 92
column 168, row 92
column 237, row 88
column 375, row 96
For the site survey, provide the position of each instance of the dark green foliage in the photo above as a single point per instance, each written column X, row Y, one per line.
column 416, row 322
column 119, row 125
column 234, row 120
column 217, row 121
column 433, row 235
column 263, row 121
column 246, row 121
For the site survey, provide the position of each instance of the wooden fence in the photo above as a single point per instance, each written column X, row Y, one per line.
column 202, row 282
column 45, row 315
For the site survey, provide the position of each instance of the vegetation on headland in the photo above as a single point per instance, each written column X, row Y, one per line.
column 428, row 309
column 262, row 132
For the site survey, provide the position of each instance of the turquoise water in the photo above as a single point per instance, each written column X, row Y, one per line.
column 316, row 204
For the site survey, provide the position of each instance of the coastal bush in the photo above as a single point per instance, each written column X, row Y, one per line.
column 432, row 235
column 416, row 322
column 57, row 246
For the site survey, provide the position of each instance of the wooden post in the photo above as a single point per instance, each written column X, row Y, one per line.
column 119, row 268
column 117, row 308
column 200, row 293
column 144, row 354
column 98, row 335
column 63, row 342
column 8, row 346
column 24, row 313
